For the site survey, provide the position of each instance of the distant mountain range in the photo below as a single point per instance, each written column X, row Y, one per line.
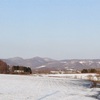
column 41, row 63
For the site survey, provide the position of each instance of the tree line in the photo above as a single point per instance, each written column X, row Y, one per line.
column 21, row 70
column 89, row 71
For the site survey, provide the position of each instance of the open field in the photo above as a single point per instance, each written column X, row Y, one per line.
column 20, row 87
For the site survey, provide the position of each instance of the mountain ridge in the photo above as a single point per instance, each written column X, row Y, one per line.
column 41, row 63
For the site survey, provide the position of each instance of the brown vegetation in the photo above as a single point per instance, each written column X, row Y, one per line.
column 4, row 68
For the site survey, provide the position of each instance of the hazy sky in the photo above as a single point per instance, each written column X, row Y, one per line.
column 59, row 29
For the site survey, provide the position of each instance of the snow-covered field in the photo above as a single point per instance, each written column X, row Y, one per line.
column 20, row 87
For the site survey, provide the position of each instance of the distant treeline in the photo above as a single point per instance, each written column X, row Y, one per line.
column 21, row 70
column 90, row 70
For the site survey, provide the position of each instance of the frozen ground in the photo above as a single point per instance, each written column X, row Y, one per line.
column 16, row 87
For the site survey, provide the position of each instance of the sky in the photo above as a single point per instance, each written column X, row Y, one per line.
column 58, row 29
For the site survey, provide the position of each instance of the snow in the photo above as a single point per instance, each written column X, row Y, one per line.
column 82, row 62
column 45, row 87
column 41, row 66
column 78, row 76
column 64, row 62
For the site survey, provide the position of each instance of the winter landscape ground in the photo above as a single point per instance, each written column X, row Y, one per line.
column 44, row 87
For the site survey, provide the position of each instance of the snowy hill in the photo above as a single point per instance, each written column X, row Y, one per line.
column 37, row 62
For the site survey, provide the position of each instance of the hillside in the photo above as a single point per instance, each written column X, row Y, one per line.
column 39, row 63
